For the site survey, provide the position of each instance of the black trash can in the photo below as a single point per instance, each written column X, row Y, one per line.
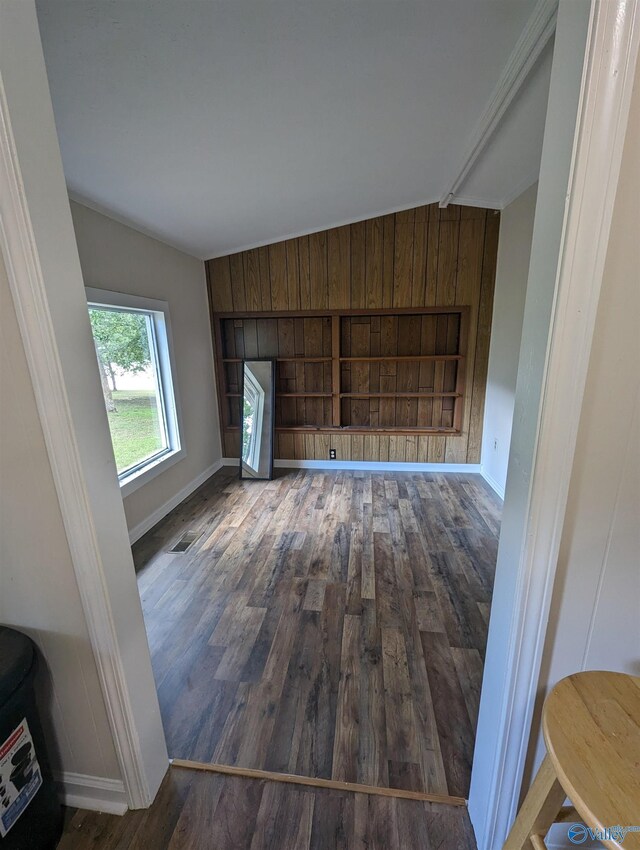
column 30, row 814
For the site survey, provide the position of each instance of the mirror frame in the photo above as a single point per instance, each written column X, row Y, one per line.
column 271, row 360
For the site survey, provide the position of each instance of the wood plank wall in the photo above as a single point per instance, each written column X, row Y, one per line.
column 417, row 258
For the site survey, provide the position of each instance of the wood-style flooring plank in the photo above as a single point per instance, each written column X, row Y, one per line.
column 195, row 809
column 326, row 624
column 454, row 728
column 285, row 817
column 345, row 747
column 401, row 729
column 197, row 817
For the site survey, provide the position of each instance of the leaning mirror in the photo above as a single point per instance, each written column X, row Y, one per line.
column 258, row 407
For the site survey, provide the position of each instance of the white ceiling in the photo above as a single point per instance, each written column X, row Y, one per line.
column 221, row 125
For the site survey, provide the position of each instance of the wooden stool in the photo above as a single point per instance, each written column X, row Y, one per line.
column 591, row 725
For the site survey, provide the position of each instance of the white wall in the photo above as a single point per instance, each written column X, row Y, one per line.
column 514, row 251
column 595, row 615
column 38, row 590
column 116, row 257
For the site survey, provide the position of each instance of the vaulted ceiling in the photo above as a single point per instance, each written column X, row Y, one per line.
column 223, row 125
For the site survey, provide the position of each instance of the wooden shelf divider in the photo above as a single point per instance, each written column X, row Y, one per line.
column 335, row 370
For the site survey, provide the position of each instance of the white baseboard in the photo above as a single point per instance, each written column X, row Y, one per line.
column 141, row 528
column 367, row 465
column 491, row 481
column 94, row 793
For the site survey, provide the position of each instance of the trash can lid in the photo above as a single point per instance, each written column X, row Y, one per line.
column 16, row 660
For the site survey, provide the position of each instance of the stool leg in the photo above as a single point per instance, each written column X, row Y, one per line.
column 539, row 809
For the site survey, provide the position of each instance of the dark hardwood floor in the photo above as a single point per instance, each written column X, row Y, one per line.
column 330, row 624
column 200, row 811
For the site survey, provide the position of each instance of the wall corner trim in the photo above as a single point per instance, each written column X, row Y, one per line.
column 491, row 481
column 94, row 793
column 145, row 525
column 533, row 39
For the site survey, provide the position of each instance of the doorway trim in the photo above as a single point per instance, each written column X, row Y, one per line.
column 18, row 247
column 611, row 55
column 603, row 110
column 131, row 706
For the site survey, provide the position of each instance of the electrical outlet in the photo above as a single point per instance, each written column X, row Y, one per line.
column 332, row 454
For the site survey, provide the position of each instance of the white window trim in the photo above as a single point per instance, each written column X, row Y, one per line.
column 168, row 382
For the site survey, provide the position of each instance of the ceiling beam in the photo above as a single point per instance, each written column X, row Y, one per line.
column 533, row 39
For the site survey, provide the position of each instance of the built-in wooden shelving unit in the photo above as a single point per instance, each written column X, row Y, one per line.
column 392, row 371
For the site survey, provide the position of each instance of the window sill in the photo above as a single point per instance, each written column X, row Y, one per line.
column 138, row 479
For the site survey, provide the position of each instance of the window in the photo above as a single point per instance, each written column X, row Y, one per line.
column 132, row 342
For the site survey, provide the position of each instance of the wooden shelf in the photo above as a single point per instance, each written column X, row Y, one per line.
column 303, row 359
column 361, row 429
column 303, row 395
column 401, row 395
column 355, row 429
column 352, row 312
column 288, row 395
column 281, row 359
column 407, row 358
